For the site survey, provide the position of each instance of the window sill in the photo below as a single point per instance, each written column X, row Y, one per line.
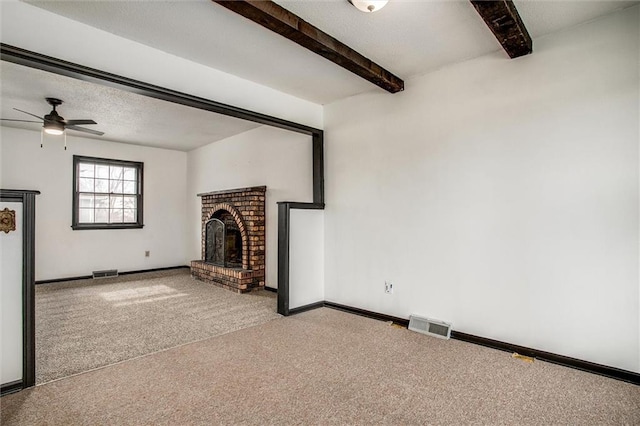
column 105, row 226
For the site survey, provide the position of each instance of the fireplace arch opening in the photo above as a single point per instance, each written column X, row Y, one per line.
column 238, row 211
column 223, row 240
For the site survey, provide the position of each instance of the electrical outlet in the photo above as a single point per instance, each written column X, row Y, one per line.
column 388, row 287
column 147, row 253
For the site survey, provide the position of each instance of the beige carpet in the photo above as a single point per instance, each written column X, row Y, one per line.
column 82, row 325
column 327, row 367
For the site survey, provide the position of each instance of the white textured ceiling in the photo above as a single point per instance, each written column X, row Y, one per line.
column 123, row 116
column 407, row 37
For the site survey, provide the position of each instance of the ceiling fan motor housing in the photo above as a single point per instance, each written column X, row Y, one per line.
column 54, row 117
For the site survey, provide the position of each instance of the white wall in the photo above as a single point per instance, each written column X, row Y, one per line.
column 501, row 195
column 24, row 26
column 279, row 159
column 11, row 298
column 306, row 257
column 62, row 252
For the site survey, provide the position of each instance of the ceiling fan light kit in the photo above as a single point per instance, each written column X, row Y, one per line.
column 369, row 6
column 53, row 128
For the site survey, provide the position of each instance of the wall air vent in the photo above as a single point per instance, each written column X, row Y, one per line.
column 429, row 326
column 109, row 273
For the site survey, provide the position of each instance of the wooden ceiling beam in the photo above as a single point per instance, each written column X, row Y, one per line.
column 503, row 20
column 281, row 21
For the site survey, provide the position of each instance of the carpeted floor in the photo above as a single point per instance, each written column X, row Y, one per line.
column 327, row 367
column 82, row 325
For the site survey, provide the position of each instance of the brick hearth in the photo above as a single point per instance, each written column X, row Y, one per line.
column 247, row 207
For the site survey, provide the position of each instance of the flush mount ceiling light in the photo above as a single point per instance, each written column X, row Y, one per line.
column 369, row 5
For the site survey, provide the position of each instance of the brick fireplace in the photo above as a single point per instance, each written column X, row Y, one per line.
column 233, row 239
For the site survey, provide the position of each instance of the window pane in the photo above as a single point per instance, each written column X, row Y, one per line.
column 129, row 173
column 115, row 186
column 129, row 187
column 86, row 216
column 86, row 170
column 102, row 185
column 116, row 172
column 129, row 202
column 116, row 202
column 107, row 192
column 86, row 184
column 86, row 200
column 102, row 215
column 102, row 171
column 130, row 215
column 115, row 215
column 102, row 201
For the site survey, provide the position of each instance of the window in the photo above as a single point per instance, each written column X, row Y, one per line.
column 107, row 194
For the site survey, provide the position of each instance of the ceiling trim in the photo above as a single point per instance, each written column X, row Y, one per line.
column 58, row 66
column 503, row 19
column 289, row 25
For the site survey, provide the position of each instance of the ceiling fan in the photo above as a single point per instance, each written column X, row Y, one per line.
column 54, row 124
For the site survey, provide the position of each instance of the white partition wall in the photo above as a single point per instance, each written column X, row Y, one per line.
column 306, row 257
column 11, row 298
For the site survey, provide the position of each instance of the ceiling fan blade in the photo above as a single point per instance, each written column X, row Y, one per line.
column 33, row 115
column 22, row 121
column 76, row 122
column 82, row 129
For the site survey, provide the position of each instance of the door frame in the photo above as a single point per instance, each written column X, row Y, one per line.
column 28, row 200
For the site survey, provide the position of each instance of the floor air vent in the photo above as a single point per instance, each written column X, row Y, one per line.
column 109, row 273
column 429, row 326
